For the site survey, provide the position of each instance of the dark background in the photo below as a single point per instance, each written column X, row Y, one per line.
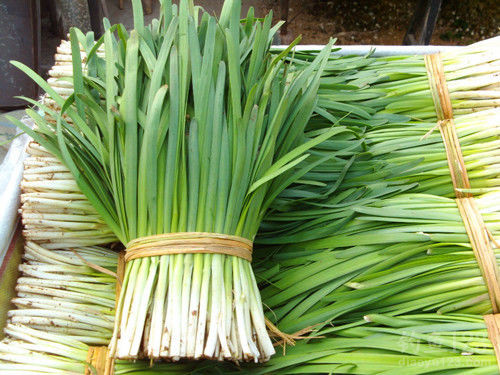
column 460, row 22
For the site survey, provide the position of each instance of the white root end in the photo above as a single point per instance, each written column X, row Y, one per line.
column 185, row 306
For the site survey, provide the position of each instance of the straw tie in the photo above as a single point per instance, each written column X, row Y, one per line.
column 478, row 234
column 97, row 359
column 493, row 326
column 189, row 243
column 446, row 124
column 481, row 246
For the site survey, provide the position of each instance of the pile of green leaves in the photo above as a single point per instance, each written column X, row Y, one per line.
column 183, row 126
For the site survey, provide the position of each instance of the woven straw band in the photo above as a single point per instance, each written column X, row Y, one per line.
column 473, row 221
column 99, row 356
column 481, row 245
column 477, row 232
column 493, row 325
column 97, row 361
column 189, row 243
column 444, row 111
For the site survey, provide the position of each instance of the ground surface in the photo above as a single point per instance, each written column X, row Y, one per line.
column 350, row 21
column 386, row 21
column 460, row 22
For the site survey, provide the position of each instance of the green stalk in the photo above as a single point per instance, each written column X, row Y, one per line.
column 408, row 253
column 221, row 87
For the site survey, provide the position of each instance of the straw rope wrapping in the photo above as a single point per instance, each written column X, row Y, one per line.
column 481, row 245
column 189, row 243
column 476, row 229
column 99, row 357
column 493, row 326
column 169, row 244
column 104, row 364
column 96, row 360
column 176, row 243
column 444, row 111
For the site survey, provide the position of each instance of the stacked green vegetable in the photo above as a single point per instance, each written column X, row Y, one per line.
column 407, row 253
column 65, row 302
column 381, row 344
column 411, row 344
column 58, row 292
column 413, row 245
column 388, row 101
column 365, row 254
column 54, row 211
column 185, row 126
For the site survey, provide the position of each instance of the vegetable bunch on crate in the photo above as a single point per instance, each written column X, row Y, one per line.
column 180, row 137
column 362, row 234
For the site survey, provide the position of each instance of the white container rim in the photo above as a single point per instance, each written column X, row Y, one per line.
column 374, row 50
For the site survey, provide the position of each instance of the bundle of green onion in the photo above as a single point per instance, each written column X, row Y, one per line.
column 186, row 126
column 379, row 344
column 355, row 242
column 354, row 252
column 65, row 302
column 387, row 101
column 390, row 165
column 32, row 352
column 398, row 85
column 410, row 344
column 60, row 292
column 54, row 211
column 406, row 253
column 472, row 77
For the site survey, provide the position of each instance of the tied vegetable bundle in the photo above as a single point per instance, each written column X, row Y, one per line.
column 186, row 127
column 390, row 105
column 407, row 253
column 380, row 344
column 63, row 306
column 54, row 211
column 59, row 293
column 422, row 343
column 313, row 358
column 362, row 254
column 355, row 252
